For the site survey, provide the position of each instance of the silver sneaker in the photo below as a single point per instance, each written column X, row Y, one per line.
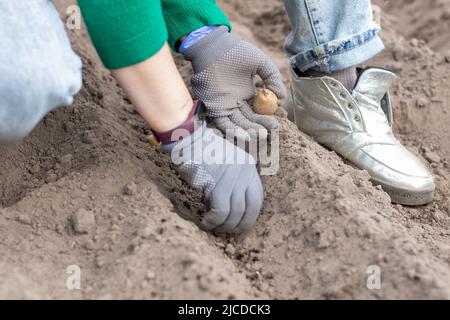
column 357, row 126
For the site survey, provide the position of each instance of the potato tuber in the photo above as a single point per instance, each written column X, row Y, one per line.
column 266, row 102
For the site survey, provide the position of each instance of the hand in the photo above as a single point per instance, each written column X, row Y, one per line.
column 224, row 72
column 226, row 174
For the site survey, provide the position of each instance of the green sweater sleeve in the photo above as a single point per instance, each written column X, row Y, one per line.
column 184, row 16
column 127, row 32
column 124, row 32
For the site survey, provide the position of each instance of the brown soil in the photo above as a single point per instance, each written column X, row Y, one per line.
column 85, row 189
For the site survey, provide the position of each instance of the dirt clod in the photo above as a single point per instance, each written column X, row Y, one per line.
column 229, row 249
column 130, row 189
column 432, row 157
column 88, row 137
column 84, row 221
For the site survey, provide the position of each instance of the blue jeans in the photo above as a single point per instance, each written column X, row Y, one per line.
column 39, row 71
column 331, row 35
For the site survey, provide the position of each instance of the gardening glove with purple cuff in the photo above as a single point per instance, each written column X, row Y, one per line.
column 226, row 174
column 224, row 71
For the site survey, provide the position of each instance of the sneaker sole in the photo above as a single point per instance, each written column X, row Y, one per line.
column 407, row 197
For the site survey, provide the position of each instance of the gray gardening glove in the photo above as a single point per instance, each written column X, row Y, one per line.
column 234, row 191
column 224, row 71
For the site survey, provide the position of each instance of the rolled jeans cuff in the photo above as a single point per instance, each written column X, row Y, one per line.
column 341, row 53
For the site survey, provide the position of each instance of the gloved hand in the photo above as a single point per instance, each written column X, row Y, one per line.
column 226, row 174
column 224, row 72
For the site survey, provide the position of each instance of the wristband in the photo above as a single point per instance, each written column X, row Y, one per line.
column 186, row 128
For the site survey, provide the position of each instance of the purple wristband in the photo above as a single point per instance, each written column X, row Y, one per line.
column 185, row 129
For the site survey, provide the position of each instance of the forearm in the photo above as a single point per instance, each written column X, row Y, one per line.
column 130, row 37
column 157, row 90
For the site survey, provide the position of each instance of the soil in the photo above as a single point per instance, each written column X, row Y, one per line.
column 86, row 189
